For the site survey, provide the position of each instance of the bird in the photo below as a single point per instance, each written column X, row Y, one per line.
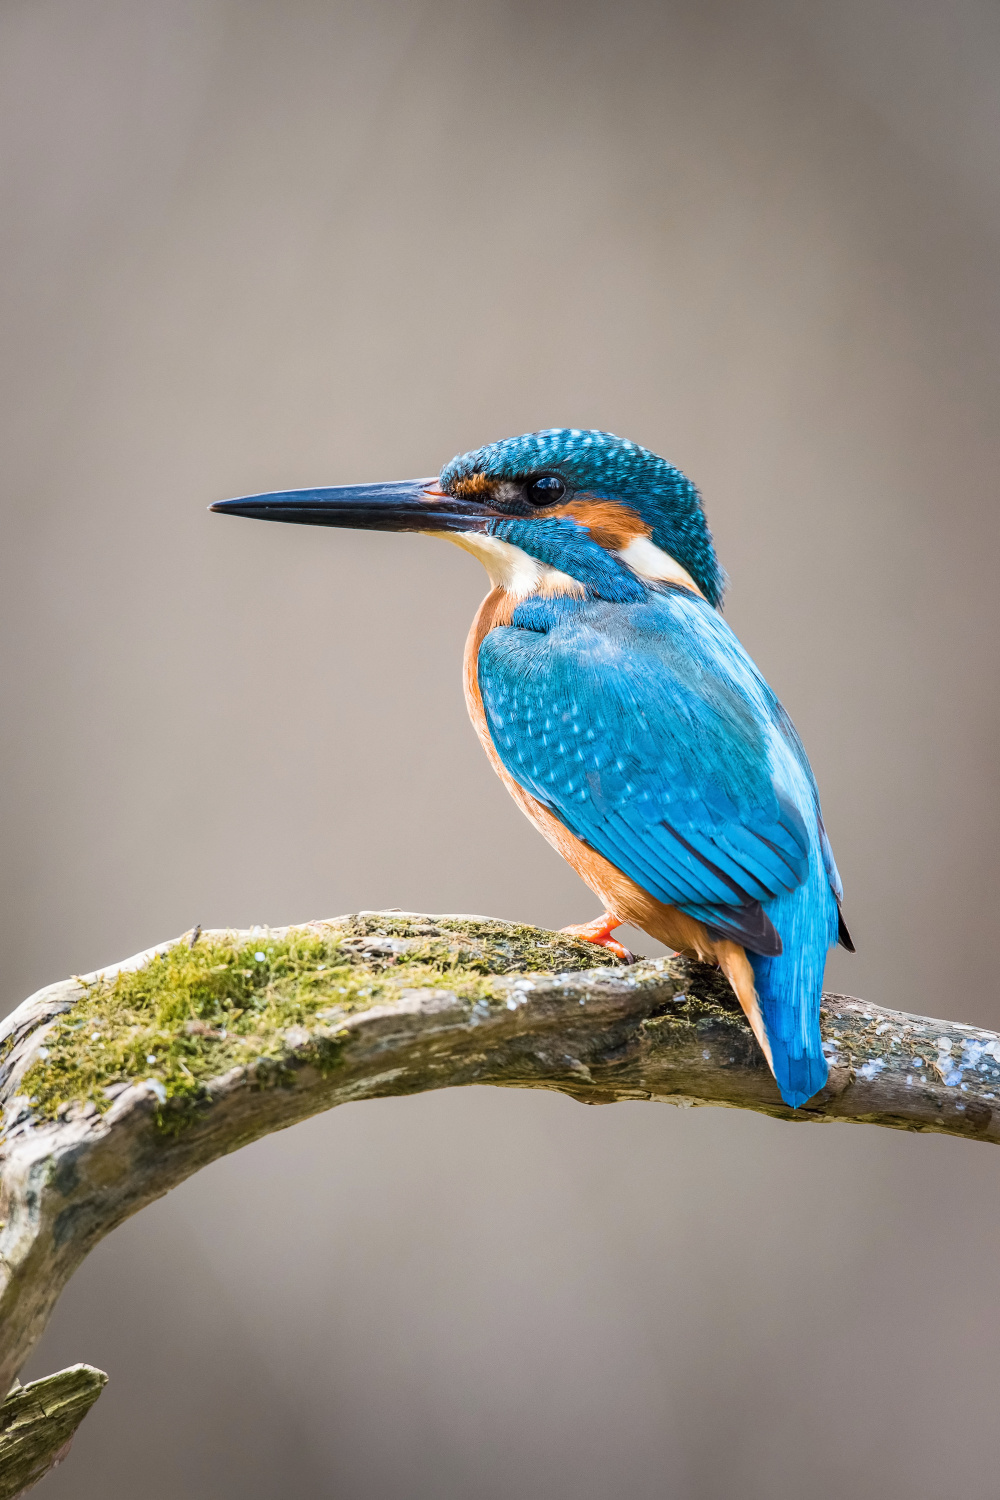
column 624, row 716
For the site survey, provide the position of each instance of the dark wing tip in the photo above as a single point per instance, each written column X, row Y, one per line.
column 843, row 936
column 748, row 925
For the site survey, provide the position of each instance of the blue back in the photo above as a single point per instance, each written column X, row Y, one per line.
column 647, row 730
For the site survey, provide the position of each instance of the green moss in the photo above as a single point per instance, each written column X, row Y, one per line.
column 191, row 1014
column 706, row 996
column 492, row 946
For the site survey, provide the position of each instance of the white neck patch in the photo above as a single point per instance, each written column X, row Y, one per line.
column 650, row 561
column 509, row 568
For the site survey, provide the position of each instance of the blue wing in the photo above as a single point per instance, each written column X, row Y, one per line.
column 650, row 734
column 647, row 730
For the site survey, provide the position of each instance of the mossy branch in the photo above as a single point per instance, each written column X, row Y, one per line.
column 117, row 1086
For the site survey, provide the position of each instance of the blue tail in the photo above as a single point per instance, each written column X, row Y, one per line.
column 789, row 986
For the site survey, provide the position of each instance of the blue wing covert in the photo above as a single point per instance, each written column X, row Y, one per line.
column 647, row 730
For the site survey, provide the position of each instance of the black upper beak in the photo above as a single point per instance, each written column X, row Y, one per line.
column 400, row 505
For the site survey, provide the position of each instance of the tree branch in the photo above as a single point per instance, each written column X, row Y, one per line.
column 38, row 1422
column 117, row 1086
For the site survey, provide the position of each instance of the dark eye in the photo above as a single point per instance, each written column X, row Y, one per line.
column 547, row 489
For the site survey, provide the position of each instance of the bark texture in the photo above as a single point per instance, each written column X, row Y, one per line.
column 37, row 1424
column 116, row 1086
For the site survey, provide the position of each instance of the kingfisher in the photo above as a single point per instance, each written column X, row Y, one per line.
column 623, row 715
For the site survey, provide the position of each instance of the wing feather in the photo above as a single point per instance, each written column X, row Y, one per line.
column 650, row 734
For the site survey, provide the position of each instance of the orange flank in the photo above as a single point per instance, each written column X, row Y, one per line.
column 623, row 900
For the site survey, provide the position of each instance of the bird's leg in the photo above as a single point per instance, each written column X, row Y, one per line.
column 599, row 931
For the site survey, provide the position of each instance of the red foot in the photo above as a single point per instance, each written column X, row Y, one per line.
column 599, row 932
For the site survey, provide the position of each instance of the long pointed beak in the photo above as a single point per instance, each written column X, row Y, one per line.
column 400, row 505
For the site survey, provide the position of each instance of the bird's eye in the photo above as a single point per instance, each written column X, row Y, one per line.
column 547, row 489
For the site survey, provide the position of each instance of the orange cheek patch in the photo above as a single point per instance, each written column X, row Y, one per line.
column 610, row 525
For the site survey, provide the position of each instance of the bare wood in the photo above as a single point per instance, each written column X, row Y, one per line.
column 38, row 1422
column 539, row 1015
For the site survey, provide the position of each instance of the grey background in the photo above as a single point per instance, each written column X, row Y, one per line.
column 261, row 244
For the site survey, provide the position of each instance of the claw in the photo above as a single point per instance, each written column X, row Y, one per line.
column 599, row 932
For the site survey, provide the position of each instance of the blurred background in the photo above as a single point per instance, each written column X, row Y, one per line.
column 260, row 243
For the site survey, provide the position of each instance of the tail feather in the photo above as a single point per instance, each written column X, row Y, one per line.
column 786, row 1026
column 798, row 1077
column 780, row 993
column 789, row 990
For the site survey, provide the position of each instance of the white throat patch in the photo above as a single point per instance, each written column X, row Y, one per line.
column 516, row 572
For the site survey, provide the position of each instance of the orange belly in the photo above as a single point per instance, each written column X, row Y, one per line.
column 621, row 896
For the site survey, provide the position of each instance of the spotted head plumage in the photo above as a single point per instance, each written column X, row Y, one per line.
column 619, row 491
